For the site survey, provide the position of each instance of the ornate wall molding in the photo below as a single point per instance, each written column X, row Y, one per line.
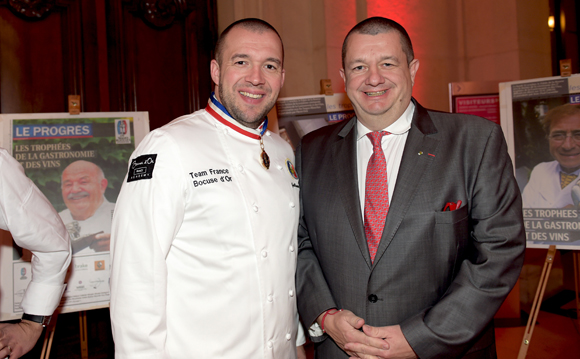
column 32, row 9
column 162, row 13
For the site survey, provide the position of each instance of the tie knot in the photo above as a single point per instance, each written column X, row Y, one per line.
column 376, row 138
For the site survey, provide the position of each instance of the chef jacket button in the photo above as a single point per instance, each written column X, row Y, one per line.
column 291, row 248
column 240, row 168
column 270, row 344
column 226, row 131
column 268, row 133
column 255, row 208
column 264, row 254
column 292, row 205
column 279, row 167
column 373, row 298
column 288, row 336
column 291, row 293
column 270, row 298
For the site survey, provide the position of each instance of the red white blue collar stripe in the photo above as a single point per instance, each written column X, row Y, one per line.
column 219, row 112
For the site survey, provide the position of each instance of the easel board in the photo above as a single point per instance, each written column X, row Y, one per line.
column 523, row 105
column 45, row 144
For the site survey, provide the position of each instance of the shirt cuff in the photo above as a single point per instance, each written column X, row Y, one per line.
column 42, row 299
column 315, row 330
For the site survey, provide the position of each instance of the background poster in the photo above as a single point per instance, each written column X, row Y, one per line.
column 45, row 145
column 479, row 98
column 300, row 115
column 486, row 106
column 523, row 105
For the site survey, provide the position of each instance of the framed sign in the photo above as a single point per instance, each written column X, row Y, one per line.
column 475, row 98
column 541, row 121
column 79, row 162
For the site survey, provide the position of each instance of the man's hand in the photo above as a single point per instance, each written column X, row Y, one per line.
column 344, row 327
column 17, row 339
column 102, row 242
column 399, row 347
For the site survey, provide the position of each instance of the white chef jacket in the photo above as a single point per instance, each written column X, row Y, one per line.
column 204, row 251
column 543, row 190
column 101, row 220
column 34, row 225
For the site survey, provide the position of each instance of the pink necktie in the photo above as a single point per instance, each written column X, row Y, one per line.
column 376, row 194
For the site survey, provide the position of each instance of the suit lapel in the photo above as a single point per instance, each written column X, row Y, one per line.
column 345, row 158
column 419, row 153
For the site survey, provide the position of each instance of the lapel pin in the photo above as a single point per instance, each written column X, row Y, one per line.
column 420, row 153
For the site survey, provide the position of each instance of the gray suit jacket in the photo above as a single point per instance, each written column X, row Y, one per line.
column 441, row 275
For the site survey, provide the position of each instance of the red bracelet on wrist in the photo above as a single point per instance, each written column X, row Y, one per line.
column 324, row 317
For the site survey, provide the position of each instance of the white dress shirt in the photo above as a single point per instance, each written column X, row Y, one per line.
column 393, row 146
column 34, row 225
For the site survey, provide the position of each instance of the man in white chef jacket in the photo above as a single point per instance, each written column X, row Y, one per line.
column 204, row 233
column 34, row 224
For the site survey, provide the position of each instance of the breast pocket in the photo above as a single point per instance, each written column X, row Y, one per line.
column 451, row 217
column 452, row 226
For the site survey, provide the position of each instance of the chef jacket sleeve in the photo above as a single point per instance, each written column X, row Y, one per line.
column 148, row 215
column 34, row 225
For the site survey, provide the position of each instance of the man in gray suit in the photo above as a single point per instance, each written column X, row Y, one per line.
column 425, row 280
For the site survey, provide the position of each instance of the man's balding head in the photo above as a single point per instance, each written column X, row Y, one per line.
column 83, row 186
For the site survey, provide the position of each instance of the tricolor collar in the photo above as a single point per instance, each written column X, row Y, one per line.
column 219, row 112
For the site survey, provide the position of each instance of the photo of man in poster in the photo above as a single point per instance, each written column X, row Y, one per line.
column 554, row 184
column 88, row 215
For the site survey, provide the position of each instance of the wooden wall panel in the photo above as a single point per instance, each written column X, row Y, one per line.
column 159, row 65
column 39, row 59
column 119, row 55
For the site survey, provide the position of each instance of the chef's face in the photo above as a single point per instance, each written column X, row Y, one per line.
column 377, row 78
column 250, row 75
column 564, row 140
column 83, row 186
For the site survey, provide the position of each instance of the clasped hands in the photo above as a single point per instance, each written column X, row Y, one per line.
column 344, row 328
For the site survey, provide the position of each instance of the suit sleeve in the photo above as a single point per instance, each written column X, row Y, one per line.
column 148, row 215
column 35, row 225
column 489, row 270
column 314, row 296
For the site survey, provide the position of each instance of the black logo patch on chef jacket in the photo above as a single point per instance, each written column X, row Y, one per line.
column 141, row 168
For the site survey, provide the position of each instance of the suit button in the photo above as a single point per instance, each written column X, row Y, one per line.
column 373, row 298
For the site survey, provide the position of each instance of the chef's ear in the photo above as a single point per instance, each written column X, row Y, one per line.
column 215, row 72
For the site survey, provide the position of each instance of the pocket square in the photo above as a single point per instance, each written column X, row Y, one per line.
column 450, row 206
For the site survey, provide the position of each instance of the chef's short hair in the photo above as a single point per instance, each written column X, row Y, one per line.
column 558, row 113
column 250, row 24
column 380, row 25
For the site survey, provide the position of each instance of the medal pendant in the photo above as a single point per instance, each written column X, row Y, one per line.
column 265, row 160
